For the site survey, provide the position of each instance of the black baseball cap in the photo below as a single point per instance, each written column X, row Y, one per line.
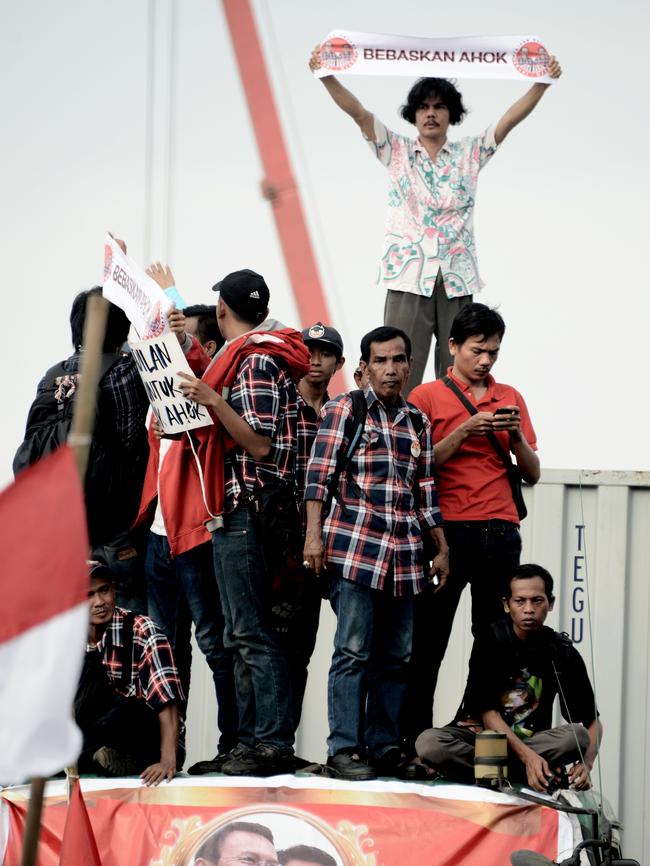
column 246, row 293
column 320, row 333
column 100, row 571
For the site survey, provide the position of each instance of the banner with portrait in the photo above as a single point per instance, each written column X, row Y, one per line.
column 353, row 824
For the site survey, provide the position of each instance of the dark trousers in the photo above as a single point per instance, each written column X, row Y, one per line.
column 183, row 591
column 129, row 726
column 370, row 665
column 482, row 554
column 261, row 673
column 296, row 624
column 423, row 319
column 451, row 750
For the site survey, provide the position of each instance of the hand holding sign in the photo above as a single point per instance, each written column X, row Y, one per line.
column 176, row 321
column 197, row 390
column 158, row 361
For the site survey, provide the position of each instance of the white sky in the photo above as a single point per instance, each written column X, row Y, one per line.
column 561, row 221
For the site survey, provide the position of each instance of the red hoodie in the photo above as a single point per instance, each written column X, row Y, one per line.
column 181, row 498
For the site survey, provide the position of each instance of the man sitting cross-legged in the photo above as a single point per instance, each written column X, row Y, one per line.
column 517, row 668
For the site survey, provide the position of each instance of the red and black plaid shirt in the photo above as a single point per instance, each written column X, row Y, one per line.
column 264, row 395
column 154, row 676
column 374, row 528
column 308, row 424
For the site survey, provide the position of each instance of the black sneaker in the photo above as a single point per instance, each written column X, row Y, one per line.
column 349, row 765
column 263, row 760
column 206, row 768
column 395, row 764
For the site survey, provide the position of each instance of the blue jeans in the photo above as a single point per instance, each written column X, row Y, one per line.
column 183, row 591
column 369, row 672
column 261, row 674
column 483, row 554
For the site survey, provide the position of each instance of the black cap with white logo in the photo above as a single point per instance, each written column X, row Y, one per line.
column 323, row 334
column 246, row 293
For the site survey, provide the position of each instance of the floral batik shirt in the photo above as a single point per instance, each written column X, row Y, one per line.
column 430, row 212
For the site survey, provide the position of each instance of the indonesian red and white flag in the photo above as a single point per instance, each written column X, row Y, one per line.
column 44, row 620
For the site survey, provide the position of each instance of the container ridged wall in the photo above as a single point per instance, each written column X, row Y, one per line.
column 592, row 531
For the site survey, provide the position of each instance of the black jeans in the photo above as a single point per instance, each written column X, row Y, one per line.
column 483, row 554
column 107, row 718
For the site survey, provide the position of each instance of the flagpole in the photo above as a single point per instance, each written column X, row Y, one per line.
column 79, row 441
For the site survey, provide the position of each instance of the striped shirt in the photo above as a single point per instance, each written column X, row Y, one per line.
column 154, row 676
column 374, row 529
column 264, row 395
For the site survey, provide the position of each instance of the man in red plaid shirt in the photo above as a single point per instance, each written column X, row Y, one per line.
column 371, row 543
column 129, row 694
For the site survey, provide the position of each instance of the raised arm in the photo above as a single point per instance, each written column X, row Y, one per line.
column 345, row 100
column 522, row 107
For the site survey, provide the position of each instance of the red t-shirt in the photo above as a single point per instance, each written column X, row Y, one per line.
column 473, row 484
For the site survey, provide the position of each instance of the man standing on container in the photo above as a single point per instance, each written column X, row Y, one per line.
column 248, row 463
column 371, row 543
column 470, row 414
column 428, row 263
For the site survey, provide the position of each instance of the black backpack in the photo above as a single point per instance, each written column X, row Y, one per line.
column 50, row 415
column 112, row 470
column 344, row 456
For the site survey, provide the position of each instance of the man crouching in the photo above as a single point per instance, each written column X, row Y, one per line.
column 129, row 693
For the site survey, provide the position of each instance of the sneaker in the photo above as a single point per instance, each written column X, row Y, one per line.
column 349, row 765
column 207, row 768
column 115, row 763
column 395, row 764
column 263, row 760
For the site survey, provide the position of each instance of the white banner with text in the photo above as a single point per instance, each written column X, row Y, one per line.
column 515, row 57
column 159, row 361
column 134, row 291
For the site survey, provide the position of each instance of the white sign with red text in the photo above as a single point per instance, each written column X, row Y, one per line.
column 515, row 57
column 159, row 360
column 134, row 291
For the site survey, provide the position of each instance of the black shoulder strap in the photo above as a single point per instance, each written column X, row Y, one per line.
column 127, row 649
column 494, row 442
column 345, row 455
column 107, row 362
column 54, row 373
column 417, row 421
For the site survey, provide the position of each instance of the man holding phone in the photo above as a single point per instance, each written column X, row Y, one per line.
column 476, row 423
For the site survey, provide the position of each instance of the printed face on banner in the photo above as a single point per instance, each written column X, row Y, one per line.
column 337, row 54
column 159, row 361
column 263, row 835
column 185, row 824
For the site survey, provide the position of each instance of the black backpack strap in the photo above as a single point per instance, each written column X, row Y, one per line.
column 345, row 455
column 514, row 475
column 55, row 372
column 494, row 442
column 417, row 421
column 127, row 649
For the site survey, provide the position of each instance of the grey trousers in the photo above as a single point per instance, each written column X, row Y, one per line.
column 423, row 318
column 451, row 750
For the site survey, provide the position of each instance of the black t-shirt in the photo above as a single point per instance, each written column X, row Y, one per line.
column 520, row 679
